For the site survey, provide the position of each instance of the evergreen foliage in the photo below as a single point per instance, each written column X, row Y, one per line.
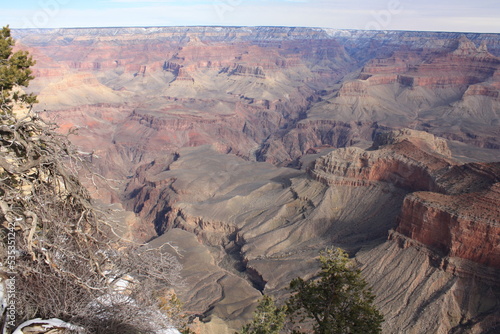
column 339, row 301
column 14, row 72
column 268, row 318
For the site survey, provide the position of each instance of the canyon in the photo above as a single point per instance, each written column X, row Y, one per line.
column 250, row 149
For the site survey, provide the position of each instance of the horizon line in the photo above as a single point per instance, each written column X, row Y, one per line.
column 258, row 26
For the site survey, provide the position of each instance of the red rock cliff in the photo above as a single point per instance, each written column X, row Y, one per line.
column 466, row 226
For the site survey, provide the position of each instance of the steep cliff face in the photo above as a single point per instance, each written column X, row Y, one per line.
column 405, row 158
column 438, row 270
column 443, row 255
column 419, row 292
column 309, row 136
column 464, row 226
column 461, row 222
column 433, row 146
column 408, row 171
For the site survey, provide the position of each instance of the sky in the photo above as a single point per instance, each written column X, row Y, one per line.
column 420, row 15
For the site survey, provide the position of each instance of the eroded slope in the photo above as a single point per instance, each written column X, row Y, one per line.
column 266, row 224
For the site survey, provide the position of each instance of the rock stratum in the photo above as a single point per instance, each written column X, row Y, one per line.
column 247, row 150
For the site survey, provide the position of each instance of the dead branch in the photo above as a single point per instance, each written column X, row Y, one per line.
column 66, row 262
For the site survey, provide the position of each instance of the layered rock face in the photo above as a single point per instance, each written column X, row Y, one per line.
column 176, row 119
column 428, row 297
column 409, row 162
column 450, row 226
column 284, row 91
column 178, row 87
column 450, row 91
column 266, row 225
column 444, row 252
column 463, row 225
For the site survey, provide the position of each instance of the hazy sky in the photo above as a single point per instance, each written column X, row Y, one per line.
column 436, row 15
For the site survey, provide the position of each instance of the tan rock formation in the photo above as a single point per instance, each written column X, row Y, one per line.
column 418, row 294
column 211, row 291
column 422, row 140
column 365, row 167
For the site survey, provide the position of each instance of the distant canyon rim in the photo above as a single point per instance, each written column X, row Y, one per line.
column 252, row 148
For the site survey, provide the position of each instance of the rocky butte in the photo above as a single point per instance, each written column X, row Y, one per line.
column 252, row 148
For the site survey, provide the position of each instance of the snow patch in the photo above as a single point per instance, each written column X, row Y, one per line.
column 47, row 324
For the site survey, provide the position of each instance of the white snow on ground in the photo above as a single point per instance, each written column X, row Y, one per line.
column 58, row 323
column 119, row 286
column 47, row 324
column 169, row 331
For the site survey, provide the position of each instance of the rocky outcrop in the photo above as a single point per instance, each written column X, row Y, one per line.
column 483, row 90
column 465, row 226
column 452, row 238
column 444, row 249
column 413, row 171
column 256, row 71
column 422, row 140
column 442, row 258
column 354, row 88
column 309, row 136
